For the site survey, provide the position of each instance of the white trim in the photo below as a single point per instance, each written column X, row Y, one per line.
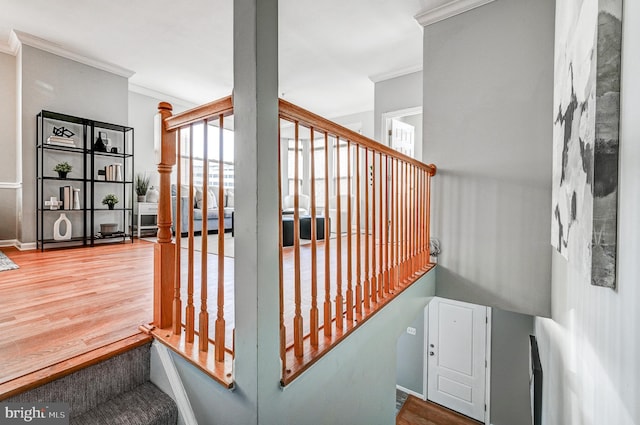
column 9, row 242
column 25, row 246
column 145, row 91
column 376, row 78
column 10, row 185
column 487, row 378
column 456, row 7
column 5, row 48
column 410, row 392
column 425, row 352
column 47, row 46
column 180, row 394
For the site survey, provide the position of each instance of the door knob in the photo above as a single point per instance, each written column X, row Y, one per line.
column 431, row 345
column 431, row 353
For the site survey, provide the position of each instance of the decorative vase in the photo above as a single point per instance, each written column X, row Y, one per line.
column 111, row 206
column 76, row 199
column 118, row 172
column 62, row 174
column 153, row 194
column 56, row 228
column 99, row 145
column 142, row 198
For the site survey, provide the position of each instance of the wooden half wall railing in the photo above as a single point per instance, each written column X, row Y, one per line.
column 354, row 233
column 361, row 239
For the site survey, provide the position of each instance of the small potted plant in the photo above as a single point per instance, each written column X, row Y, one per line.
column 63, row 169
column 110, row 200
column 142, row 184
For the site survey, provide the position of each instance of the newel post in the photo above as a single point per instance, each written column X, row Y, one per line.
column 164, row 250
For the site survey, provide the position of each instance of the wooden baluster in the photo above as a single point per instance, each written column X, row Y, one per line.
column 381, row 229
column 420, row 222
column 405, row 209
column 339, row 298
column 359, row 237
column 297, row 319
column 414, row 216
column 412, row 230
column 177, row 300
column 392, row 221
column 220, row 322
column 203, row 329
column 327, row 242
column 313, row 313
column 374, row 271
column 425, row 242
column 367, row 276
column 349, row 247
column 190, row 311
column 164, row 250
column 387, row 223
column 429, row 175
column 283, row 331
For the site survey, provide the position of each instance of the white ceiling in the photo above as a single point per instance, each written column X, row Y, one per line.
column 328, row 49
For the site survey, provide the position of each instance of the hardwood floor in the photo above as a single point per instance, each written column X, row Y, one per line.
column 61, row 304
column 418, row 412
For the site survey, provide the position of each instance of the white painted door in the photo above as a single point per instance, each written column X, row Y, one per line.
column 402, row 137
column 456, row 354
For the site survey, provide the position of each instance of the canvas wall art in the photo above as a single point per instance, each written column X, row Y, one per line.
column 585, row 135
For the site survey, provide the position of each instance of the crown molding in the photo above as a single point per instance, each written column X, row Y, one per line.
column 440, row 13
column 376, row 78
column 47, row 46
column 145, row 91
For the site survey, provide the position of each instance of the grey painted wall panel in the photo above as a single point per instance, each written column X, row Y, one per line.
column 591, row 346
column 510, row 399
column 488, row 85
column 8, row 119
column 410, row 360
column 394, row 94
column 7, row 214
column 61, row 85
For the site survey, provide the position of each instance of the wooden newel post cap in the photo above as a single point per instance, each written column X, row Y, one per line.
column 434, row 169
column 165, row 106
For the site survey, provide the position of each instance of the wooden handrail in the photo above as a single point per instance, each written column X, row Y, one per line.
column 293, row 113
column 223, row 106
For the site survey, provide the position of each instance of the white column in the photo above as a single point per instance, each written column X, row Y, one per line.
column 255, row 45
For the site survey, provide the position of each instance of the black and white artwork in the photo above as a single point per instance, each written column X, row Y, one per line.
column 585, row 136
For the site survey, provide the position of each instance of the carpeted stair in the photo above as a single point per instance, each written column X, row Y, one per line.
column 116, row 391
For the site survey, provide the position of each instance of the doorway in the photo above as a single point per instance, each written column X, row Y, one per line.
column 457, row 356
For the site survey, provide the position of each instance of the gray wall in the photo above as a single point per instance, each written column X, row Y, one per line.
column 510, row 398
column 57, row 84
column 488, row 84
column 8, row 162
column 142, row 110
column 410, row 360
column 394, row 94
column 590, row 348
column 354, row 383
column 362, row 121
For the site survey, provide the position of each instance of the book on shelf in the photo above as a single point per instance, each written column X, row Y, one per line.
column 66, row 197
column 61, row 141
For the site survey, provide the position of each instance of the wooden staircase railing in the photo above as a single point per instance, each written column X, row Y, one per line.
column 175, row 306
column 372, row 201
column 378, row 208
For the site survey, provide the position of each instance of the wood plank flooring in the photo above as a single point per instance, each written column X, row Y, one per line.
column 419, row 412
column 61, row 304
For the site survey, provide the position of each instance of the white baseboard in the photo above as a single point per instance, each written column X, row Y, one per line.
column 411, row 392
column 24, row 246
column 9, row 242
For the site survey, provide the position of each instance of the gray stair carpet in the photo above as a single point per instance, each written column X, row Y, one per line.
column 121, row 381
column 144, row 405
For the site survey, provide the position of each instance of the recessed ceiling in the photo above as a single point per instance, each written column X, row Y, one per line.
column 328, row 49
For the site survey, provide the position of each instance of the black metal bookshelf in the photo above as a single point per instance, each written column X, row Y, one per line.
column 66, row 138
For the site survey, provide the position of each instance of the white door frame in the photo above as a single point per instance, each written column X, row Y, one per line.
column 386, row 116
column 425, row 369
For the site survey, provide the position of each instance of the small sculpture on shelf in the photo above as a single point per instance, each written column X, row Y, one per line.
column 52, row 203
column 56, row 228
column 110, row 200
column 99, row 145
column 63, row 169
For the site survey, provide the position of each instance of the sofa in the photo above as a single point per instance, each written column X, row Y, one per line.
column 198, row 213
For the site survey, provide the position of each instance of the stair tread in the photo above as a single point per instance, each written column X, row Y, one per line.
column 144, row 405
